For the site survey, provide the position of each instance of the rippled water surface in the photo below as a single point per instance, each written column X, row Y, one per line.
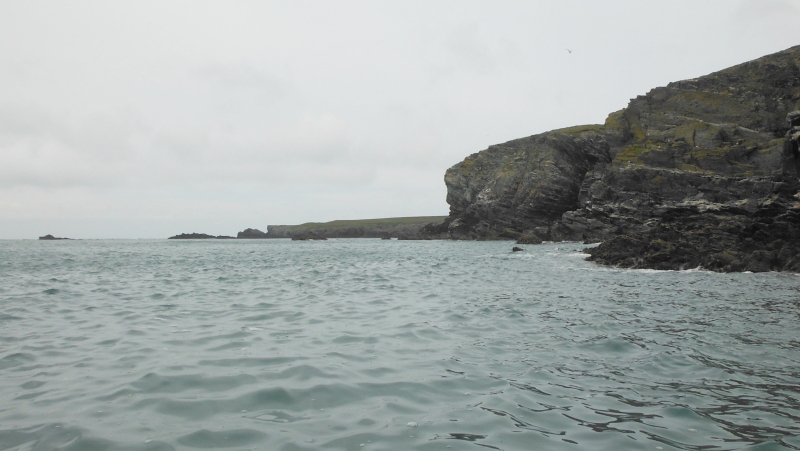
column 387, row 345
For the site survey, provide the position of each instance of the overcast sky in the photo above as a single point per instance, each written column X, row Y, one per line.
column 147, row 119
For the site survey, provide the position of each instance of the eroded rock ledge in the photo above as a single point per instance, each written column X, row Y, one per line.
column 702, row 172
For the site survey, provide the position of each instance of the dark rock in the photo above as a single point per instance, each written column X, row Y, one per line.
column 51, row 237
column 725, row 240
column 192, row 236
column 517, row 249
column 530, row 238
column 522, row 184
column 308, row 236
column 251, row 234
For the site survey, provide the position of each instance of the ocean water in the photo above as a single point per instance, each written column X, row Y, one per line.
column 387, row 345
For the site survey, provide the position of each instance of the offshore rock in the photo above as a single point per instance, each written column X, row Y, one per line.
column 251, row 234
column 51, row 238
column 199, row 236
column 700, row 172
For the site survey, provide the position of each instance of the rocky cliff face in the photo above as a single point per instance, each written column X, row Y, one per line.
column 720, row 145
column 522, row 185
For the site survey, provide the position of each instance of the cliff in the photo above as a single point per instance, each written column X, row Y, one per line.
column 699, row 168
column 522, row 185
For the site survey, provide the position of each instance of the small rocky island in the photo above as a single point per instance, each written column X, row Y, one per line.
column 702, row 172
column 199, row 236
column 251, row 234
column 52, row 238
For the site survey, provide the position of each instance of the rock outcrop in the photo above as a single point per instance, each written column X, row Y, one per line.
column 251, row 234
column 522, row 185
column 199, row 236
column 714, row 237
column 700, row 172
column 52, row 238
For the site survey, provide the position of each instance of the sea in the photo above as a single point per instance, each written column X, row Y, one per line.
column 368, row 344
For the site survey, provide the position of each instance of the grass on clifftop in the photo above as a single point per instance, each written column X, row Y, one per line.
column 368, row 222
column 578, row 129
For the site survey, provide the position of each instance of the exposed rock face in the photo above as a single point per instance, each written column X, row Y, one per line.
column 523, row 184
column 700, row 172
column 719, row 138
column 251, row 234
column 719, row 238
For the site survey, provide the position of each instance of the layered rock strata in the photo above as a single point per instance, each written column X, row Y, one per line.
column 522, row 185
column 720, row 149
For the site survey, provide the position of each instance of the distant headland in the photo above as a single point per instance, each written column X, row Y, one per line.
column 411, row 227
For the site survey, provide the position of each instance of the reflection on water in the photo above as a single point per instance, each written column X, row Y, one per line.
column 374, row 344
